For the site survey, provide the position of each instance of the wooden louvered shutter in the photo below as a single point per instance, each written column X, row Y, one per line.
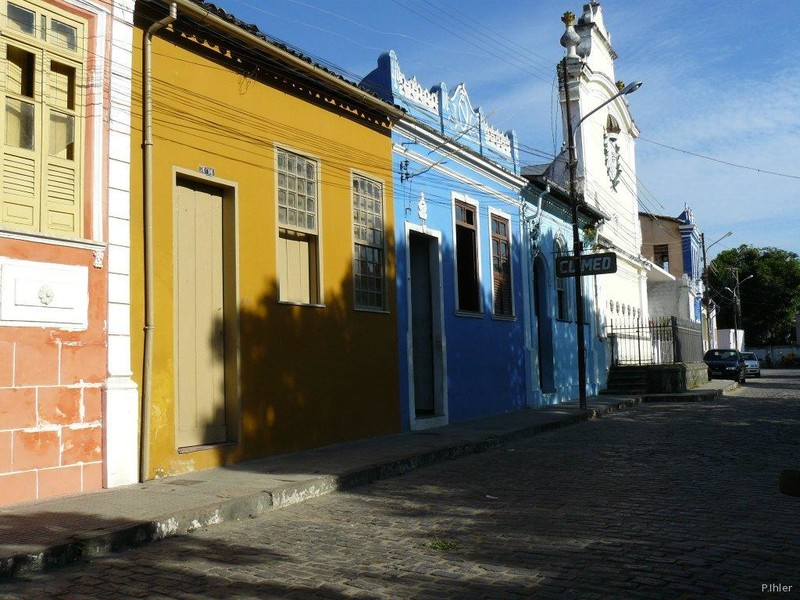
column 20, row 159
column 61, row 206
column 41, row 125
column 501, row 267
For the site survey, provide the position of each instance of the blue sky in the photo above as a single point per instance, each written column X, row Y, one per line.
column 721, row 80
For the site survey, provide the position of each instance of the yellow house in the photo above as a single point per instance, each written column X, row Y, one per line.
column 262, row 263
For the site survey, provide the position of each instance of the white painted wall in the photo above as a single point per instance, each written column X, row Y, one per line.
column 120, row 398
column 624, row 293
column 730, row 338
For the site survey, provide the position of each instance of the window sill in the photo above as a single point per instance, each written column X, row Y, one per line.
column 307, row 304
column 374, row 311
column 469, row 314
column 510, row 318
column 48, row 239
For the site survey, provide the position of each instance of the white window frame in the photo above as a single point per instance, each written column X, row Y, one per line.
column 381, row 247
column 499, row 214
column 456, row 197
column 563, row 311
column 316, row 286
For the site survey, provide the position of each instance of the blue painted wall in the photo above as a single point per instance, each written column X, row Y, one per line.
column 446, row 149
column 692, row 257
column 485, row 355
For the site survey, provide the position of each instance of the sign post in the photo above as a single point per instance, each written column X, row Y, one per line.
column 590, row 264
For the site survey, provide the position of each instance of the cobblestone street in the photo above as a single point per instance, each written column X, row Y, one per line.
column 661, row 501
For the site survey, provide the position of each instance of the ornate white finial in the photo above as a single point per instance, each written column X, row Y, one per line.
column 422, row 207
column 570, row 39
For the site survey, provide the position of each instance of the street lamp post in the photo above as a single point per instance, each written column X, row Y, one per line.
column 706, row 298
column 737, row 307
column 577, row 245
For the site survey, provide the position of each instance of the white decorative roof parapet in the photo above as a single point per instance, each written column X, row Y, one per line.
column 494, row 137
column 453, row 114
column 410, row 89
column 413, row 91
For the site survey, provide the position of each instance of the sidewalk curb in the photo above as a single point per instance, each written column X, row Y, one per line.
column 87, row 545
column 691, row 396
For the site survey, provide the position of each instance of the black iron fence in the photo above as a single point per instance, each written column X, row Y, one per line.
column 658, row 341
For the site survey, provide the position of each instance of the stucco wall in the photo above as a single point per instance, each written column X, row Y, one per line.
column 310, row 375
column 51, row 381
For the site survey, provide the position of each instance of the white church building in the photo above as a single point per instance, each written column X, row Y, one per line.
column 605, row 175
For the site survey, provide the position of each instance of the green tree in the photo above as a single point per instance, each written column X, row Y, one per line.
column 769, row 300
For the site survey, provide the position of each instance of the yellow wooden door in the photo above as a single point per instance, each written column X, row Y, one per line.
column 199, row 316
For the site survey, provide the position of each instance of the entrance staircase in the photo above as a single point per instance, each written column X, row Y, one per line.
column 627, row 381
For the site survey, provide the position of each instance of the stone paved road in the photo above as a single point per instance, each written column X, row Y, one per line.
column 663, row 501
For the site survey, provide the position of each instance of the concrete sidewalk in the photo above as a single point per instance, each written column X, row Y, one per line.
column 51, row 533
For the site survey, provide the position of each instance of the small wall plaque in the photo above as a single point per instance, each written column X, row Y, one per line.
column 35, row 294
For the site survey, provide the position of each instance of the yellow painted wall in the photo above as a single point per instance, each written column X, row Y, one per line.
column 310, row 376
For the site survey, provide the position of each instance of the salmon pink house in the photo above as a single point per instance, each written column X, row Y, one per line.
column 64, row 182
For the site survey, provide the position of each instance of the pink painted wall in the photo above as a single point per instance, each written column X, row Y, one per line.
column 50, row 393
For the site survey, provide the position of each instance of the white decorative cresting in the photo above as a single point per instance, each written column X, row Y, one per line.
column 496, row 138
column 412, row 90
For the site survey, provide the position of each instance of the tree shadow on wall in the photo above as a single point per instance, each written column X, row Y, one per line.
column 312, row 375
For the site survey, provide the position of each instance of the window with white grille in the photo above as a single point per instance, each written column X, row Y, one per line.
column 369, row 281
column 298, row 228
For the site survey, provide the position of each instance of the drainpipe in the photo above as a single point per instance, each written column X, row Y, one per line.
column 539, row 201
column 147, row 199
column 538, row 214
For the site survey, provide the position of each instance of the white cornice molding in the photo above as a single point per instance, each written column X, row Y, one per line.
column 463, row 179
column 436, row 142
column 638, row 261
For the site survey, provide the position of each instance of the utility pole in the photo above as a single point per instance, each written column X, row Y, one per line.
column 736, row 309
column 577, row 245
column 707, row 301
column 570, row 41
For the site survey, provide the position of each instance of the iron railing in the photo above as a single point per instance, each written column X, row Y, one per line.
column 659, row 341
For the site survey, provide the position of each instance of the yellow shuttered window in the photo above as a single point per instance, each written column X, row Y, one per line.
column 298, row 228
column 42, row 55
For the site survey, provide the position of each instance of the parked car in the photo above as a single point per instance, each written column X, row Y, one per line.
column 752, row 364
column 725, row 363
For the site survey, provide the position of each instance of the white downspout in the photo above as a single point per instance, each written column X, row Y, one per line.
column 147, row 199
column 528, row 295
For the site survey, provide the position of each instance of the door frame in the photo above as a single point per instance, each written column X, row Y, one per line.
column 439, row 349
column 229, row 191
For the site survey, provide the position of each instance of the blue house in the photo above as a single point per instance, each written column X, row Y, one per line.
column 479, row 325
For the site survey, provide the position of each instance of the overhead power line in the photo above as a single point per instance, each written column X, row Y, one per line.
column 722, row 162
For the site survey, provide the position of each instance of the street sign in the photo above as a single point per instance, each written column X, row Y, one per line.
column 591, row 264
